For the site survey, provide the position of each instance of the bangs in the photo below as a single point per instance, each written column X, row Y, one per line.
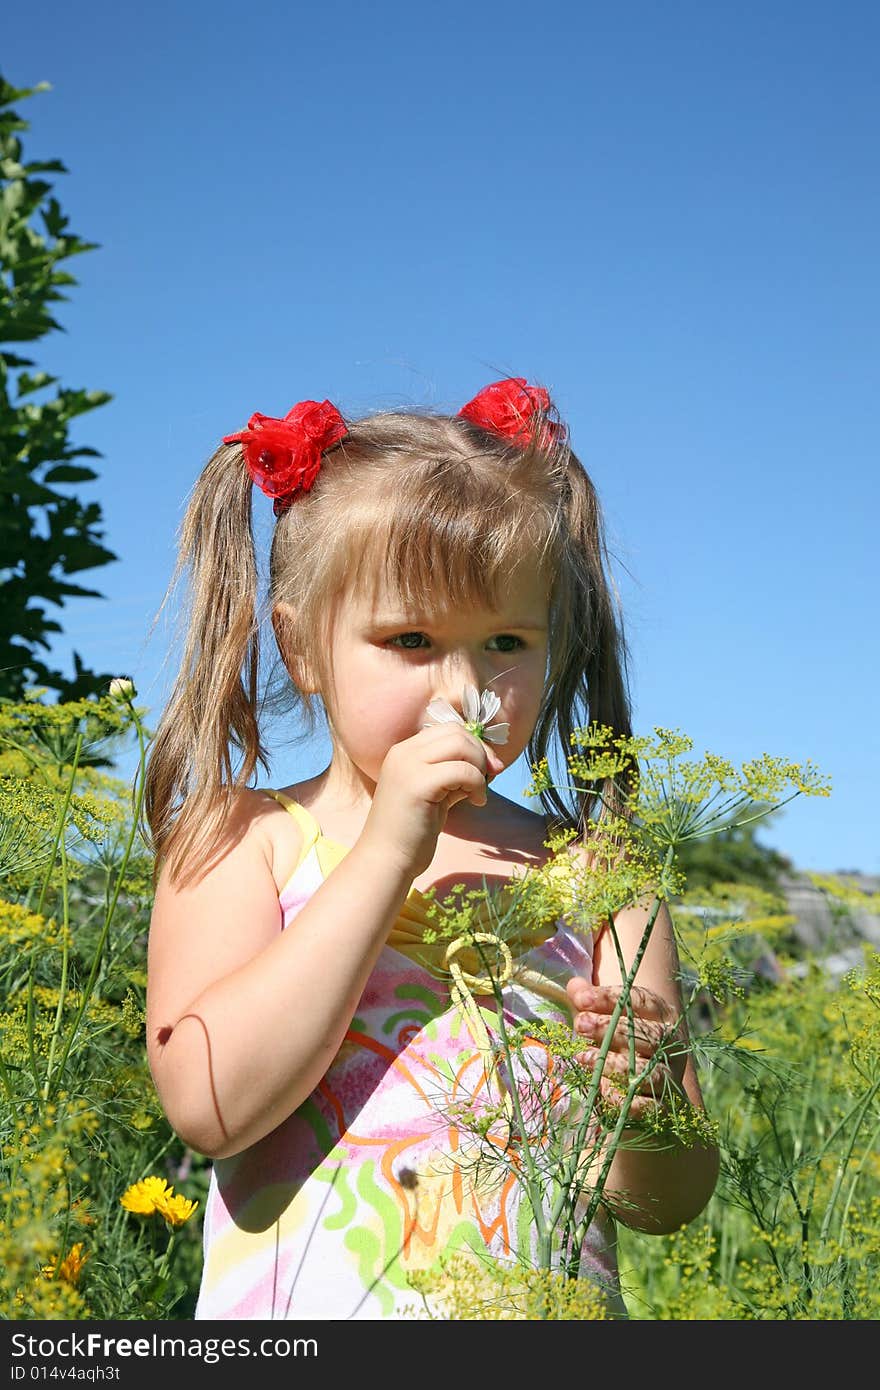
column 428, row 513
column 439, row 550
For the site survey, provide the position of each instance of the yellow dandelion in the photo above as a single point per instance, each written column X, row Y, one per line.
column 176, row 1209
column 154, row 1196
column 146, row 1197
column 71, row 1266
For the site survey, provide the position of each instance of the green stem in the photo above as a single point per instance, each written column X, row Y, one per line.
column 870, row 1151
column 62, row 818
column 573, row 1162
column 165, row 1262
column 99, row 949
column 29, row 1019
column 532, row 1184
column 610, row 1154
column 4, row 1077
column 844, row 1161
column 775, row 806
column 65, row 959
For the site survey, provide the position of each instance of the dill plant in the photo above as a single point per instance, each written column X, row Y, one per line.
column 664, row 799
column 789, row 1062
column 79, row 1118
column 793, row 1231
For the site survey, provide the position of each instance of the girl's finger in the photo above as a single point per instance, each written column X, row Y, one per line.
column 457, row 781
column 653, row 1083
column 447, row 742
column 640, row 1106
column 603, row 999
column 648, row 1036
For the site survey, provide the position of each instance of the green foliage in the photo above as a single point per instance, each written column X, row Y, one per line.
column 80, row 1122
column 790, row 1065
column 793, row 1231
column 465, row 1289
column 46, row 533
column 797, row 1213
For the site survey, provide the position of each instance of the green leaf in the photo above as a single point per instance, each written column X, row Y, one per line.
column 10, row 94
column 45, row 536
column 69, row 473
column 27, row 384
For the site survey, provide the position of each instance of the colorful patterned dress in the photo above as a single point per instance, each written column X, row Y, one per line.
column 372, row 1178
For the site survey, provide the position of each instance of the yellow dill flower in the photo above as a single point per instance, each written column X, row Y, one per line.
column 146, row 1197
column 21, row 928
column 70, row 1268
column 462, row 1288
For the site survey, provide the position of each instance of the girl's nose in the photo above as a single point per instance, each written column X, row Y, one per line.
column 455, row 674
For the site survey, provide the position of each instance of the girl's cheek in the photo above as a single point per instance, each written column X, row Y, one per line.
column 520, row 707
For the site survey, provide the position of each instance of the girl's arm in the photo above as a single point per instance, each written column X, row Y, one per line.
column 244, row 1018
column 654, row 1189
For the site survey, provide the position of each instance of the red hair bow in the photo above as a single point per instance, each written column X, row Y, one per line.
column 508, row 408
column 284, row 456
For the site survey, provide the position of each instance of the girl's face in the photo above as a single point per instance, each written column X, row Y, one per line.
column 389, row 662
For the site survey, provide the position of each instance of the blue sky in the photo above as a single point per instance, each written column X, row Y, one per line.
column 668, row 214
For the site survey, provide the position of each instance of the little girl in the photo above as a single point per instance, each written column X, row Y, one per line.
column 298, row 1032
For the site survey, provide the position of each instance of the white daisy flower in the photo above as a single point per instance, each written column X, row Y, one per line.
column 121, row 688
column 478, row 711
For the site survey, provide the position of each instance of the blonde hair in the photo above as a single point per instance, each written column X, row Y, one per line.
column 436, row 509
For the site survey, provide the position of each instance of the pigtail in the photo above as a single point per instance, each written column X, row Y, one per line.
column 588, row 676
column 213, row 705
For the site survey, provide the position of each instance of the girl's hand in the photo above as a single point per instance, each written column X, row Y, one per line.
column 654, row 1025
column 420, row 779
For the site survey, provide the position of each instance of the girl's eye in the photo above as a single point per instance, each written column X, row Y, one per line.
column 417, row 641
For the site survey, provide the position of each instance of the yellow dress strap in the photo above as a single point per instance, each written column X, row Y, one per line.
column 328, row 851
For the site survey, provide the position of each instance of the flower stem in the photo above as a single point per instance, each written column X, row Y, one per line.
column 111, row 908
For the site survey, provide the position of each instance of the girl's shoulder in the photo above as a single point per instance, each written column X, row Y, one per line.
column 254, row 830
column 273, row 830
column 498, row 841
